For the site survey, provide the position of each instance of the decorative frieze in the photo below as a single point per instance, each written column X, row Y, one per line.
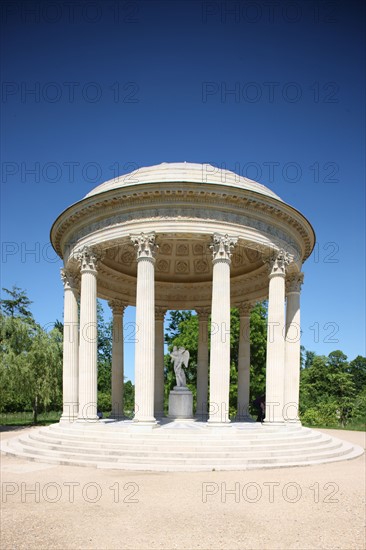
column 155, row 200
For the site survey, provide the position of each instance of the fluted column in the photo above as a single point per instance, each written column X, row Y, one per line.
column 244, row 362
column 275, row 368
column 220, row 330
column 159, row 362
column 118, row 308
column 202, row 364
column 88, row 373
column 70, row 369
column 145, row 325
column 292, row 348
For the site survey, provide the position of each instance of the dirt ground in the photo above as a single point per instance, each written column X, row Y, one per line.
column 46, row 507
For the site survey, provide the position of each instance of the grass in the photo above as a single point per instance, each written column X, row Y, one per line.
column 356, row 425
column 26, row 418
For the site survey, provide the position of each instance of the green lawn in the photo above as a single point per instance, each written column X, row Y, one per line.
column 26, row 418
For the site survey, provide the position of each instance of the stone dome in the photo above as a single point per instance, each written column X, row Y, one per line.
column 183, row 172
column 184, row 205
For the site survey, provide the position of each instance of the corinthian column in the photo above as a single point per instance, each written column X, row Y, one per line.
column 275, row 368
column 159, row 362
column 202, row 363
column 220, row 329
column 70, row 369
column 292, row 347
column 145, row 325
column 88, row 394
column 244, row 362
column 118, row 308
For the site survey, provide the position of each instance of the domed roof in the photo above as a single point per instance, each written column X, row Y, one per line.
column 183, row 172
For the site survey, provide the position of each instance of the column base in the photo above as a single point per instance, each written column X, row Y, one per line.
column 201, row 417
column 144, row 421
column 88, row 420
column 244, row 418
column 274, row 423
column 143, row 425
column 117, row 417
column 219, row 424
column 68, row 419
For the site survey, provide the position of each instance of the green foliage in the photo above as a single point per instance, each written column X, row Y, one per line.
column 324, row 414
column 258, row 350
column 104, row 402
column 17, row 305
column 357, row 369
column 30, row 366
column 327, row 384
column 104, row 352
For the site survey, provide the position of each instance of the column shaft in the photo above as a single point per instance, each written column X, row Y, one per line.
column 117, row 361
column 202, row 365
column 145, row 325
column 275, row 369
column 88, row 375
column 159, row 363
column 220, row 343
column 292, row 350
column 70, row 371
column 244, row 367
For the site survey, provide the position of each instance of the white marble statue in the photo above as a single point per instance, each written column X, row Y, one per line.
column 180, row 358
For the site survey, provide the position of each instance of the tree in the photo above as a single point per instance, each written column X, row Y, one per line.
column 327, row 386
column 40, row 371
column 357, row 369
column 18, row 304
column 309, row 358
column 30, row 358
column 16, row 335
column 30, row 366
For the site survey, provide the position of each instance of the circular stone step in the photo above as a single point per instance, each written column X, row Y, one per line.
column 177, row 446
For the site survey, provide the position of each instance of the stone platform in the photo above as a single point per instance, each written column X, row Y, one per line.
column 179, row 446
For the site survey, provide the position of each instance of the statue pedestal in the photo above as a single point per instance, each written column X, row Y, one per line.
column 180, row 403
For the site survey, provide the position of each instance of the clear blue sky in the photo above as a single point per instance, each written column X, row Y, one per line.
column 274, row 91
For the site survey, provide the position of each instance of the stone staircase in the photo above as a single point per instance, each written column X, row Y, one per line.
column 179, row 446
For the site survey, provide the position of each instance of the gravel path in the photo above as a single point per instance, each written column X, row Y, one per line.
column 65, row 507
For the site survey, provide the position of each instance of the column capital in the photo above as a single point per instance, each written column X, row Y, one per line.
column 88, row 258
column 160, row 313
column 117, row 306
column 278, row 263
column 145, row 245
column 245, row 308
column 294, row 282
column 203, row 313
column 222, row 246
column 69, row 279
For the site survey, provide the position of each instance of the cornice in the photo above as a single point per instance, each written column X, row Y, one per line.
column 101, row 207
